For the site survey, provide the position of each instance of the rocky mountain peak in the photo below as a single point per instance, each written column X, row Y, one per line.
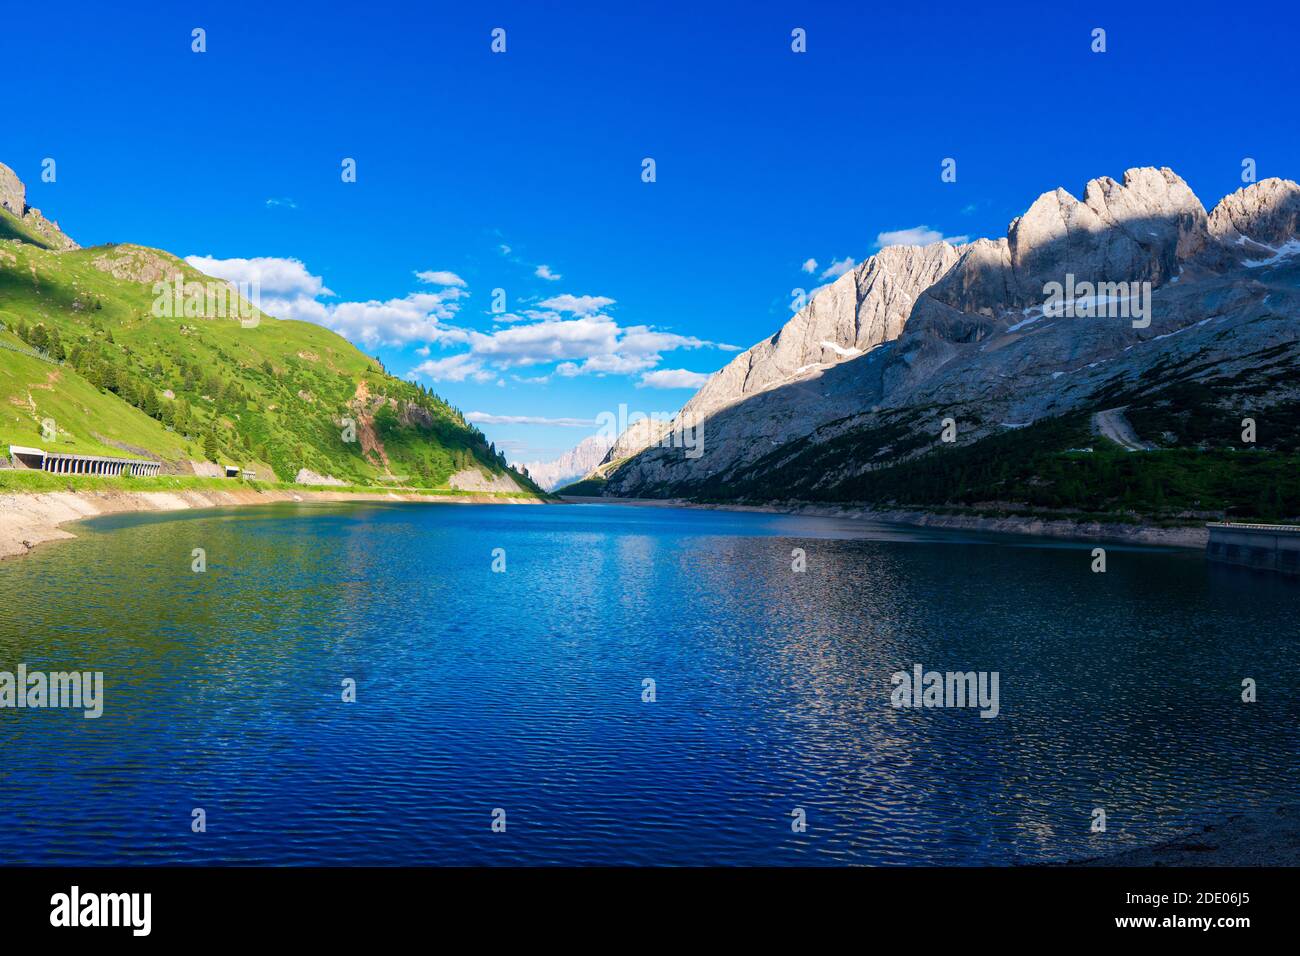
column 864, row 308
column 976, row 329
column 572, row 465
column 13, row 200
column 1266, row 212
column 13, row 194
column 1140, row 229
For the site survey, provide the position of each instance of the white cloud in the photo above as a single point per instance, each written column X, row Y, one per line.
column 838, row 268
column 484, row 418
column 567, row 330
column 416, row 318
column 643, row 340
column 284, row 278
column 613, row 364
column 289, row 291
column 576, row 304
column 286, row 202
column 544, row 272
column 455, row 368
column 548, row 341
column 440, row 277
column 571, row 331
column 810, row 266
column 587, row 345
column 916, row 236
column 672, row 378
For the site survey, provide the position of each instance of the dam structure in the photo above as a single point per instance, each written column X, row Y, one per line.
column 1265, row 547
column 60, row 463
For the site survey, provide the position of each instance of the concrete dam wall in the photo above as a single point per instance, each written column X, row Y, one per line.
column 1266, row 547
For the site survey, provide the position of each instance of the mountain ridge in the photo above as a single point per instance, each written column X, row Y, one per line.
column 576, row 463
column 977, row 342
column 85, row 348
column 27, row 223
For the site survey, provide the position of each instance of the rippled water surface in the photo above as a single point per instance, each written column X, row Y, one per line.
column 523, row 690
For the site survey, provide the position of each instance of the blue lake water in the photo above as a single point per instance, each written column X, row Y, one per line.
column 523, row 690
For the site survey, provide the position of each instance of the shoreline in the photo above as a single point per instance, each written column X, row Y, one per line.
column 29, row 519
column 1269, row 837
column 1191, row 537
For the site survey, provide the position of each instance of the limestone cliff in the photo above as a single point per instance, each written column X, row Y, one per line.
column 965, row 330
column 31, row 224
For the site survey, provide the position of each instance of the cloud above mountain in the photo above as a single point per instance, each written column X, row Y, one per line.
column 571, row 332
column 284, row 278
column 484, row 418
column 916, row 236
column 581, row 345
column 837, row 268
column 672, row 378
column 286, row 289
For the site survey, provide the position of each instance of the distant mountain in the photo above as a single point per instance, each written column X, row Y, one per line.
column 85, row 345
column 572, row 465
column 845, row 400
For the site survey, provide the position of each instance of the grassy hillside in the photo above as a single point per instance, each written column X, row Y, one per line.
column 80, row 345
column 13, row 228
column 585, row 487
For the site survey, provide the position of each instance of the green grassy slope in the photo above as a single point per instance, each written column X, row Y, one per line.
column 271, row 397
column 13, row 228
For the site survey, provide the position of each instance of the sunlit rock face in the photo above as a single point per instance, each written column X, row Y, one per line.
column 966, row 328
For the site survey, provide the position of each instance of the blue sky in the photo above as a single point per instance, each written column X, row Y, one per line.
column 488, row 167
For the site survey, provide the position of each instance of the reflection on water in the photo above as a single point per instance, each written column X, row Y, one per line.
column 523, row 690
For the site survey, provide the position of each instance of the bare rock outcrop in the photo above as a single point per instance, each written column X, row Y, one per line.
column 13, row 194
column 306, row 476
column 133, row 263
column 858, row 311
column 13, row 199
column 472, row 479
column 862, row 309
column 1137, row 230
column 977, row 336
column 1267, row 212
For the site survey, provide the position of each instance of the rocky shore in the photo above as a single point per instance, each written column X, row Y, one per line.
column 28, row 519
column 1179, row 537
column 1265, row 838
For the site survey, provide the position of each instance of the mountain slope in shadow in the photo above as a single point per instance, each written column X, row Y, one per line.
column 982, row 346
